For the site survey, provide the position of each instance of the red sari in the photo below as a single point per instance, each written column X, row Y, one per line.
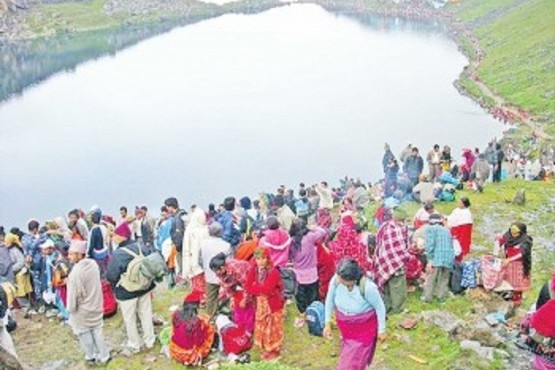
column 359, row 334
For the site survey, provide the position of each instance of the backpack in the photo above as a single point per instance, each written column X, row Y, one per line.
column 315, row 319
column 302, row 207
column 142, row 271
column 110, row 305
column 456, row 279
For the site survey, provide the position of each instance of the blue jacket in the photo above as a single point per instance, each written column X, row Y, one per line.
column 414, row 166
column 164, row 232
column 230, row 233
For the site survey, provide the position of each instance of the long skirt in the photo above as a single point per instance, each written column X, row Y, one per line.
column 245, row 317
column 541, row 363
column 323, row 218
column 514, row 274
column 268, row 331
column 23, row 284
column 193, row 356
column 359, row 334
column 463, row 233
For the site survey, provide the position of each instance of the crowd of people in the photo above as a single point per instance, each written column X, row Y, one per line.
column 243, row 261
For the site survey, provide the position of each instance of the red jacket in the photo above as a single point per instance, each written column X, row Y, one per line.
column 271, row 287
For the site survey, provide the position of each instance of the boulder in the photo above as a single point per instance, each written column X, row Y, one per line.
column 483, row 352
column 445, row 320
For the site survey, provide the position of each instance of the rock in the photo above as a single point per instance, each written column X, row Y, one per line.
column 445, row 320
column 470, row 345
column 56, row 365
column 484, row 352
column 520, row 198
column 479, row 332
column 503, row 354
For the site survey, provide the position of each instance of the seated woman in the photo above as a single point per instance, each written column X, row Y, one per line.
column 360, row 314
column 234, row 339
column 192, row 335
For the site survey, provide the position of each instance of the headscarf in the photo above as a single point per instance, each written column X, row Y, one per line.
column 524, row 241
column 262, row 272
column 63, row 228
column 12, row 239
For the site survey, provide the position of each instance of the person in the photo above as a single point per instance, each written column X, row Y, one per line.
column 441, row 256
column 391, row 256
column 209, row 248
column 264, row 283
column 282, row 211
column 387, row 157
column 232, row 275
column 147, row 225
column 434, row 163
column 6, row 341
column 192, row 335
column 468, row 163
column 124, row 216
column 61, row 231
column 423, row 215
column 195, row 234
column 233, row 339
column 481, row 171
column 348, row 243
column 304, row 251
column 491, row 156
column 325, row 205
column 250, row 219
column 98, row 247
column 446, row 159
column 47, row 262
column 177, row 229
column 19, row 269
column 326, row 269
column 406, row 153
column 134, row 305
column 78, row 225
column 163, row 228
column 392, row 170
column 423, row 192
column 460, row 222
column 84, row 304
column 360, row 314
column 302, row 206
column 231, row 233
column 414, row 166
column 517, row 262
column 6, row 263
column 499, row 157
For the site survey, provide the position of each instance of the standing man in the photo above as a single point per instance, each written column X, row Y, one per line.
column 177, row 231
column 414, row 166
column 434, row 163
column 148, row 226
column 85, row 305
column 135, row 304
column 323, row 214
column 209, row 248
column 391, row 256
column 78, row 225
column 441, row 256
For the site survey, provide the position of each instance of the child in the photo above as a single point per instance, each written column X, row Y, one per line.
column 265, row 284
column 192, row 335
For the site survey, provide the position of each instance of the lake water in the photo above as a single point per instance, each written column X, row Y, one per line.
column 233, row 105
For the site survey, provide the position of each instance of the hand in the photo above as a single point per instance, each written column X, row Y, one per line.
column 382, row 337
column 505, row 262
column 328, row 333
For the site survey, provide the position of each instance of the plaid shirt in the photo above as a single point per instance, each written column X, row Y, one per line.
column 391, row 253
column 439, row 246
column 232, row 285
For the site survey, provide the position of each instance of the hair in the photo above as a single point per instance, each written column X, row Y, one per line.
column 324, row 183
column 163, row 209
column 348, row 269
column 215, row 229
column 123, row 208
column 171, row 202
column 436, row 146
column 96, row 217
column 256, row 204
column 33, row 225
column 229, row 203
column 415, row 150
column 301, row 185
column 74, row 212
column 189, row 314
column 278, row 201
column 245, row 202
column 144, row 208
column 297, row 231
column 302, row 193
column 15, row 230
column 272, row 222
column 218, row 261
column 465, row 201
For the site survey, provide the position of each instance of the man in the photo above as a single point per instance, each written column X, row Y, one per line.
column 136, row 304
column 423, row 192
column 414, row 166
column 230, row 223
column 85, row 304
column 209, row 248
column 325, row 205
column 387, row 157
column 33, row 256
column 99, row 242
column 284, row 214
column 78, row 224
column 440, row 255
column 434, row 163
column 123, row 215
column 391, row 256
column 148, row 226
column 177, row 229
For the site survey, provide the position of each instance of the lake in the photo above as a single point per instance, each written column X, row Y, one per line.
column 232, row 106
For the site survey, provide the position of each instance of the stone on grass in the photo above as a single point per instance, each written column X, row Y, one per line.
column 445, row 320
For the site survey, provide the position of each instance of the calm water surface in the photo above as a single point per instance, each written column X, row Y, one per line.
column 233, row 105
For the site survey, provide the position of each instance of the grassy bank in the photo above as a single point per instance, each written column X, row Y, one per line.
column 492, row 216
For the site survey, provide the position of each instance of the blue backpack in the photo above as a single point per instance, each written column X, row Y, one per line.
column 302, row 206
column 315, row 319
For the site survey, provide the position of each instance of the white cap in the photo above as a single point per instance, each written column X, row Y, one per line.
column 47, row 244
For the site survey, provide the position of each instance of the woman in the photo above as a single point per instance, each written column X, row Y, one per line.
column 20, row 271
column 304, row 251
column 360, row 314
column 460, row 223
column 195, row 233
column 264, row 283
column 348, row 244
column 517, row 262
column 192, row 335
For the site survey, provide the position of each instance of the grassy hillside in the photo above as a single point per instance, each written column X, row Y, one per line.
column 518, row 40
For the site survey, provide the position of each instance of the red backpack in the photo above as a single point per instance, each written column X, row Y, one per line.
column 109, row 300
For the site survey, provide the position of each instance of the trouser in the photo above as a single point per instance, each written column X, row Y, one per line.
column 436, row 282
column 395, row 293
column 435, row 171
column 92, row 343
column 306, row 294
column 212, row 293
column 179, row 258
column 140, row 308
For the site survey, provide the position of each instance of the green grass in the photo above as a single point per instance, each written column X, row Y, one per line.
column 519, row 48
